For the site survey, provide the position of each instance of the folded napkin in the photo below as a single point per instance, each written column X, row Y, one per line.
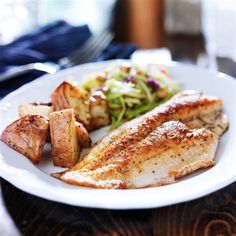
column 50, row 43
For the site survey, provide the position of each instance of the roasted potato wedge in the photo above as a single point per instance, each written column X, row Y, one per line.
column 34, row 109
column 64, row 140
column 83, row 136
column 27, row 136
column 68, row 96
column 98, row 110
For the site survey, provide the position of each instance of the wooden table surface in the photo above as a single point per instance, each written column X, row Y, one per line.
column 214, row 214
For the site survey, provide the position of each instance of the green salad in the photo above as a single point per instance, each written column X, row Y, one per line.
column 131, row 90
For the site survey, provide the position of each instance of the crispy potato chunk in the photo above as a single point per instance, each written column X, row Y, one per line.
column 68, row 96
column 64, row 140
column 83, row 136
column 27, row 136
column 34, row 109
column 98, row 110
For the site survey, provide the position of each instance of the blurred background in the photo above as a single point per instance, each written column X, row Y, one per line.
column 203, row 31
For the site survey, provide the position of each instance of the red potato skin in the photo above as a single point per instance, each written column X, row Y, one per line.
column 67, row 96
column 83, row 135
column 27, row 136
column 64, row 139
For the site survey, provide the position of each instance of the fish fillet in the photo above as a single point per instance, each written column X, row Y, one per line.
column 192, row 108
column 170, row 151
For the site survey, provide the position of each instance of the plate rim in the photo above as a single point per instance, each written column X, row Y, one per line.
column 32, row 189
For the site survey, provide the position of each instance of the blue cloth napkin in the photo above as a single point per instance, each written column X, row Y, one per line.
column 50, row 43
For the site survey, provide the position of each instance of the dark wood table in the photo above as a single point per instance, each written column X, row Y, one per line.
column 213, row 215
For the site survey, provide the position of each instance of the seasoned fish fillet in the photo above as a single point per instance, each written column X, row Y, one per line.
column 170, row 151
column 190, row 107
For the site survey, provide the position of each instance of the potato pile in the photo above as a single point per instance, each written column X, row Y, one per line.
column 65, row 122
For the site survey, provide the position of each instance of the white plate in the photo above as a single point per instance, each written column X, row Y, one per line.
column 19, row 171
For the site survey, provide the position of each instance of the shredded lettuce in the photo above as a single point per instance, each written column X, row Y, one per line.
column 133, row 92
column 140, row 110
column 91, row 84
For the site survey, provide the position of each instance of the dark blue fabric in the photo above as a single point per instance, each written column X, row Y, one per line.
column 50, row 43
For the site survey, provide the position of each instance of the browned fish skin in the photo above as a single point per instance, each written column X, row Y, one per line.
column 185, row 106
column 190, row 107
column 170, row 151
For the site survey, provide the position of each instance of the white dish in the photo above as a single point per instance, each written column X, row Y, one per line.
column 36, row 180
